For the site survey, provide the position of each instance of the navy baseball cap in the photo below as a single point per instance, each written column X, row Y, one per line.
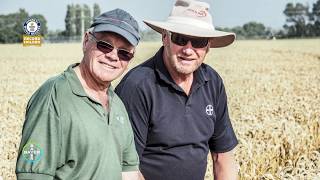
column 120, row 22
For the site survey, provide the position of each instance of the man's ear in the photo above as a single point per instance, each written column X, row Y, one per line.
column 208, row 46
column 85, row 41
column 165, row 36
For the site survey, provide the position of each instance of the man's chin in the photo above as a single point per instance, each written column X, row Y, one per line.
column 185, row 69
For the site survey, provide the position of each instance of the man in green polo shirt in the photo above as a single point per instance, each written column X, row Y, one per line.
column 76, row 127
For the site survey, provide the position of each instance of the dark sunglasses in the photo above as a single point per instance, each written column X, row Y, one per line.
column 182, row 40
column 106, row 47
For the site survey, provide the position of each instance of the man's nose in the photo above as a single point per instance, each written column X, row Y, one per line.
column 113, row 55
column 187, row 49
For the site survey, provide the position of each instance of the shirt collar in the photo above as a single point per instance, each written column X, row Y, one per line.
column 75, row 83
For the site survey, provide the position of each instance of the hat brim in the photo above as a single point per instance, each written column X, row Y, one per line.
column 217, row 38
column 112, row 28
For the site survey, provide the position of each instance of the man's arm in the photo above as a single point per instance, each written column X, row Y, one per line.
column 132, row 175
column 224, row 166
column 40, row 149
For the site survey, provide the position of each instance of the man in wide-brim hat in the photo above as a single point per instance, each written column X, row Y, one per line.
column 177, row 104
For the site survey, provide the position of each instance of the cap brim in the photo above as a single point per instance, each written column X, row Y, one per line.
column 112, row 28
column 218, row 38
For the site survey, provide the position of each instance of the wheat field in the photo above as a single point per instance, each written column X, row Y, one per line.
column 273, row 89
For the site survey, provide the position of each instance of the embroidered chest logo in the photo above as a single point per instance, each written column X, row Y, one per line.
column 209, row 110
column 120, row 119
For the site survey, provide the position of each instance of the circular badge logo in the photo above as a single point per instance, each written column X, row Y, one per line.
column 31, row 26
column 31, row 152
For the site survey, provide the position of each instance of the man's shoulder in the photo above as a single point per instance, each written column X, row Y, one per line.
column 139, row 75
column 55, row 83
column 210, row 73
column 117, row 103
column 50, row 89
column 143, row 71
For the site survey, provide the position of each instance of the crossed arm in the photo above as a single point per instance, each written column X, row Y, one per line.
column 224, row 166
column 132, row 175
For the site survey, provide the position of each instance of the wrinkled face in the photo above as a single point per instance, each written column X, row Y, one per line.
column 183, row 54
column 105, row 56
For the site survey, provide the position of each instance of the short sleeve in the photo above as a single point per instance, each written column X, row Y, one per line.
column 130, row 160
column 41, row 136
column 224, row 138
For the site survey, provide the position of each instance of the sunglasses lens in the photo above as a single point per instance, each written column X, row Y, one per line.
column 124, row 55
column 179, row 39
column 182, row 40
column 104, row 47
column 107, row 48
column 199, row 42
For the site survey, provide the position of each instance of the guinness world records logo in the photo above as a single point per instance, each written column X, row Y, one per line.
column 32, row 26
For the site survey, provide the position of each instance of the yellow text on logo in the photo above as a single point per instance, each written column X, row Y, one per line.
column 31, row 40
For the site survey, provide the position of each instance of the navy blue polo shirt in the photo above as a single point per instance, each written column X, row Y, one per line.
column 174, row 131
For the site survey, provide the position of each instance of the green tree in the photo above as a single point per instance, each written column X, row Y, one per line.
column 11, row 26
column 254, row 30
column 79, row 20
column 70, row 21
column 43, row 22
column 297, row 16
column 96, row 10
column 315, row 18
column 87, row 17
column 239, row 32
column 316, row 11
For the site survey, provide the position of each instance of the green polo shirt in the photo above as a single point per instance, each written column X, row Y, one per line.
column 69, row 135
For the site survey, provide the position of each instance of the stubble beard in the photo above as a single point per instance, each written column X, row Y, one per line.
column 183, row 69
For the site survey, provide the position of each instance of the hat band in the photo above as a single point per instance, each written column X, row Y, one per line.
column 190, row 22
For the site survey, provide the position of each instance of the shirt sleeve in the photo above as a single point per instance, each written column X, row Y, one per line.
column 224, row 138
column 136, row 104
column 130, row 160
column 40, row 143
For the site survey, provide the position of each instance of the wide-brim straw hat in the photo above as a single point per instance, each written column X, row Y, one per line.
column 191, row 17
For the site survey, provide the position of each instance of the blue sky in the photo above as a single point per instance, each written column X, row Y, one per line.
column 226, row 13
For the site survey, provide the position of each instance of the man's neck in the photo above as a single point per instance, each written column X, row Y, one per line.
column 182, row 80
column 94, row 89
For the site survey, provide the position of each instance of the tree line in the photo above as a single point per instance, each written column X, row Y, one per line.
column 301, row 21
column 77, row 20
column 11, row 26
